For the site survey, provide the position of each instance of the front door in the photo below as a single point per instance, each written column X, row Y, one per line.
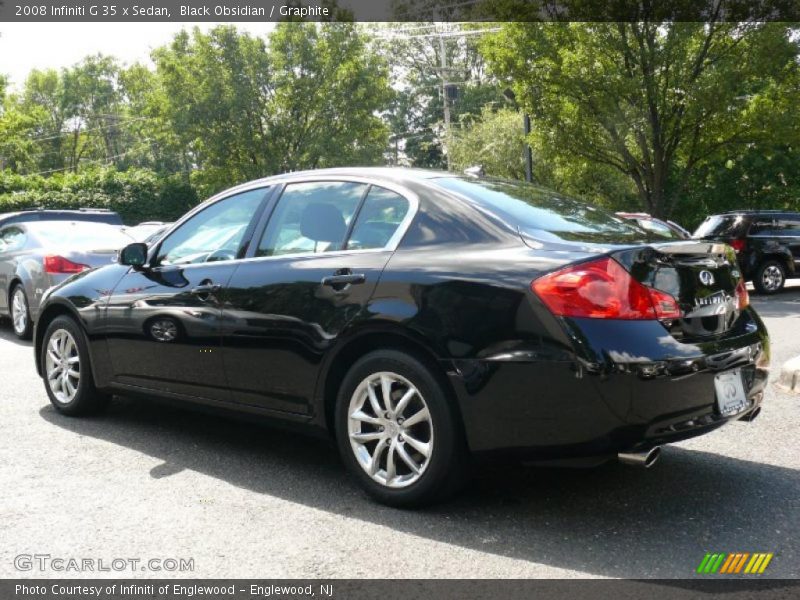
column 313, row 270
column 163, row 322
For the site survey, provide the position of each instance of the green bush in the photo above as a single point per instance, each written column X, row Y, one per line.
column 137, row 195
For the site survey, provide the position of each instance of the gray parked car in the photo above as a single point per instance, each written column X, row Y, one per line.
column 37, row 255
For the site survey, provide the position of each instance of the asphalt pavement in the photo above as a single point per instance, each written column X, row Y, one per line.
column 145, row 481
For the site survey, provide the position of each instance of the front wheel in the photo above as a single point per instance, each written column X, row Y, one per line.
column 67, row 370
column 397, row 432
column 770, row 277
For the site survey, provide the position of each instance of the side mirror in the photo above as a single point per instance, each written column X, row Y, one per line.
column 133, row 255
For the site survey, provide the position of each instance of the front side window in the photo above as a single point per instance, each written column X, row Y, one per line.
column 311, row 217
column 379, row 218
column 763, row 227
column 213, row 234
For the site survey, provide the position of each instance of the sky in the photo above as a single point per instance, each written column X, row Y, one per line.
column 26, row 46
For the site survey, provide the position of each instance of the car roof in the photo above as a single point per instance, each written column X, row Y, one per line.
column 49, row 224
column 398, row 175
column 45, row 211
column 760, row 212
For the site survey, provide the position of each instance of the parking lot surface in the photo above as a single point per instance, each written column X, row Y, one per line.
column 148, row 481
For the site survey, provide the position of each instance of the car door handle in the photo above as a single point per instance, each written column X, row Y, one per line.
column 206, row 288
column 349, row 279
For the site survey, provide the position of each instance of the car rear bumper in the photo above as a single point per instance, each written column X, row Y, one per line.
column 629, row 386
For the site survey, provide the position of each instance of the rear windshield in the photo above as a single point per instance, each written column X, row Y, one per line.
column 543, row 214
column 721, row 226
column 80, row 235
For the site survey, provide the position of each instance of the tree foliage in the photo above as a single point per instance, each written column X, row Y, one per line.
column 243, row 109
column 657, row 102
column 676, row 118
column 414, row 52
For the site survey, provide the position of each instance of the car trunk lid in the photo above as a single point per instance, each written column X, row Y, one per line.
column 702, row 276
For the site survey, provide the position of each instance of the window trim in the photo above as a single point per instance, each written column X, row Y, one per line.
column 370, row 182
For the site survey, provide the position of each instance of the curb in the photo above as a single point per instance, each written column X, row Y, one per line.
column 789, row 379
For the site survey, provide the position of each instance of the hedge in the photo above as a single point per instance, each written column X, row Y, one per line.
column 137, row 195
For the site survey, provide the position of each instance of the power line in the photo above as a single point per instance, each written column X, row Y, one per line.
column 48, row 137
column 106, row 160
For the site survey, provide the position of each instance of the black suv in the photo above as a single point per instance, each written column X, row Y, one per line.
column 767, row 244
column 95, row 215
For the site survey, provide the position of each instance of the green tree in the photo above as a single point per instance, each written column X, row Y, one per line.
column 242, row 108
column 496, row 141
column 3, row 86
column 656, row 102
column 74, row 118
column 414, row 53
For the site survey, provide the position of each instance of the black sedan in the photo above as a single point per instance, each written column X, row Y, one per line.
column 419, row 318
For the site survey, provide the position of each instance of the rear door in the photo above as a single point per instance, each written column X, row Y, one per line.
column 790, row 234
column 312, row 270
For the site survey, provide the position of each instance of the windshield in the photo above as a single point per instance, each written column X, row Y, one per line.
column 541, row 213
column 720, row 226
column 80, row 236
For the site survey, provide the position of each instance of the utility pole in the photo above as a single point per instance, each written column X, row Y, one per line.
column 445, row 99
column 526, row 126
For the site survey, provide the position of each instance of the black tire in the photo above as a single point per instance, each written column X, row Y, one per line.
column 445, row 470
column 87, row 398
column 770, row 277
column 27, row 331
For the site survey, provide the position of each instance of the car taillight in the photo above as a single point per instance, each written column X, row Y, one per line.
column 742, row 295
column 603, row 289
column 737, row 245
column 58, row 264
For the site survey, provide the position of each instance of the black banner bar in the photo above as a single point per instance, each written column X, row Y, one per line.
column 142, row 11
column 460, row 589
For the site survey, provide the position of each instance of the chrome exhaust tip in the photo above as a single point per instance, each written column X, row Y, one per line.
column 751, row 416
column 644, row 459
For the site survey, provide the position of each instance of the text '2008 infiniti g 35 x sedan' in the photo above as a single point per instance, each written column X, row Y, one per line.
column 419, row 318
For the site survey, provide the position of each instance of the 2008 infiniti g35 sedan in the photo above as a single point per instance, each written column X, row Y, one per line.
column 419, row 318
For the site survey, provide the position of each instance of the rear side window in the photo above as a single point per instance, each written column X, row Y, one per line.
column 13, row 238
column 379, row 218
column 544, row 214
column 311, row 217
column 721, row 226
column 781, row 225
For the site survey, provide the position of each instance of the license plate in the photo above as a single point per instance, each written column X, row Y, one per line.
column 731, row 398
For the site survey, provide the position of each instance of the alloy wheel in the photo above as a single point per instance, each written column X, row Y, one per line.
column 390, row 429
column 62, row 365
column 772, row 278
column 164, row 330
column 19, row 311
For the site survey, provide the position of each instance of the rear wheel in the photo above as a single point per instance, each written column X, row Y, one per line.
column 20, row 313
column 67, row 370
column 770, row 277
column 397, row 432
